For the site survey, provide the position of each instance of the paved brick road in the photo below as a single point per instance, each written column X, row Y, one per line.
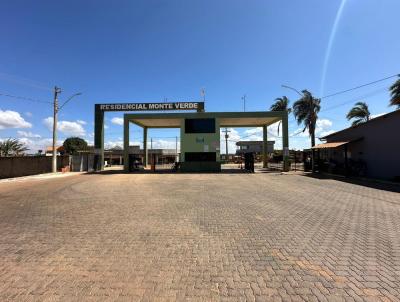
column 186, row 237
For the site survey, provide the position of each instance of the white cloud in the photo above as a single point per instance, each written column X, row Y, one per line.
column 252, row 134
column 300, row 139
column 253, row 131
column 113, row 144
column 256, row 134
column 48, row 122
column 28, row 134
column 117, row 121
column 323, row 124
column 66, row 127
column 165, row 144
column 38, row 144
column 12, row 119
column 234, row 137
column 323, row 128
column 28, row 114
column 377, row 115
column 81, row 122
column 120, row 143
column 273, row 131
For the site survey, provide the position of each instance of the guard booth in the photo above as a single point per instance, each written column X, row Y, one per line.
column 199, row 131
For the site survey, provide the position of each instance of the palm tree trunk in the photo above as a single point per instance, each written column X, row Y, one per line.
column 313, row 152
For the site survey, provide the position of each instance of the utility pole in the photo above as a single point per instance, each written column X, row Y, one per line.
column 55, row 109
column 226, row 143
column 203, row 94
column 244, row 103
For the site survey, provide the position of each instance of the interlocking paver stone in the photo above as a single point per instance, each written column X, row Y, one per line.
column 198, row 237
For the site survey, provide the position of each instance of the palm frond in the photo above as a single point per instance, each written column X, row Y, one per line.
column 281, row 104
column 395, row 94
column 306, row 111
column 10, row 147
column 360, row 112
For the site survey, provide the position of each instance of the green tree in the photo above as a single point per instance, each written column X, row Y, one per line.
column 306, row 111
column 74, row 144
column 12, row 147
column 395, row 94
column 281, row 104
column 360, row 113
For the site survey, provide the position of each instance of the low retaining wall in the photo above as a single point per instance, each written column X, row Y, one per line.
column 29, row 165
column 82, row 162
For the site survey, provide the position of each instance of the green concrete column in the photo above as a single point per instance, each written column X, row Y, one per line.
column 126, row 144
column 265, row 146
column 145, row 152
column 285, row 141
column 98, row 138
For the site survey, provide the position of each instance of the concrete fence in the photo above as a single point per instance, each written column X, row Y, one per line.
column 29, row 165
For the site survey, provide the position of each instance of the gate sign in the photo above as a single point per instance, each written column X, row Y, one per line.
column 199, row 106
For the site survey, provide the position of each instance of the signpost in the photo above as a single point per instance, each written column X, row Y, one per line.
column 99, row 119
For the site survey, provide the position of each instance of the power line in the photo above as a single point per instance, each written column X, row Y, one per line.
column 378, row 91
column 159, row 137
column 24, row 81
column 25, row 98
column 360, row 86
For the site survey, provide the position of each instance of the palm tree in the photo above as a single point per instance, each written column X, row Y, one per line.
column 395, row 94
column 305, row 111
column 360, row 113
column 281, row 104
column 12, row 147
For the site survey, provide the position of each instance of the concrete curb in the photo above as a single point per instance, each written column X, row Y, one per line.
column 40, row 177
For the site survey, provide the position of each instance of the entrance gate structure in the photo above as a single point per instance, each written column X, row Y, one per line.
column 200, row 135
column 200, row 131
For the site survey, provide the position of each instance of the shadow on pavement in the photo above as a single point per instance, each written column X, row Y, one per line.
column 166, row 171
column 371, row 183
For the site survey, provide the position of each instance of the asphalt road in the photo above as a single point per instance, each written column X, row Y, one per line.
column 198, row 237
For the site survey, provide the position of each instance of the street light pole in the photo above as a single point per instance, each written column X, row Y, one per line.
column 55, row 111
column 57, row 91
column 244, row 103
column 294, row 89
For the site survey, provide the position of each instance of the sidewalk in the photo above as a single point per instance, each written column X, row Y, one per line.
column 39, row 176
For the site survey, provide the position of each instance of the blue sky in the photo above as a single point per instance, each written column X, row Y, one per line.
column 144, row 51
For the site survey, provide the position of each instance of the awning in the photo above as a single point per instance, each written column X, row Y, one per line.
column 330, row 145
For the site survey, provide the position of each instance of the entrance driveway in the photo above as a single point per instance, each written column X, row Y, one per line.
column 198, row 237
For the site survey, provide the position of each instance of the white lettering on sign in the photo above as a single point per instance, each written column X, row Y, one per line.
column 151, row 106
